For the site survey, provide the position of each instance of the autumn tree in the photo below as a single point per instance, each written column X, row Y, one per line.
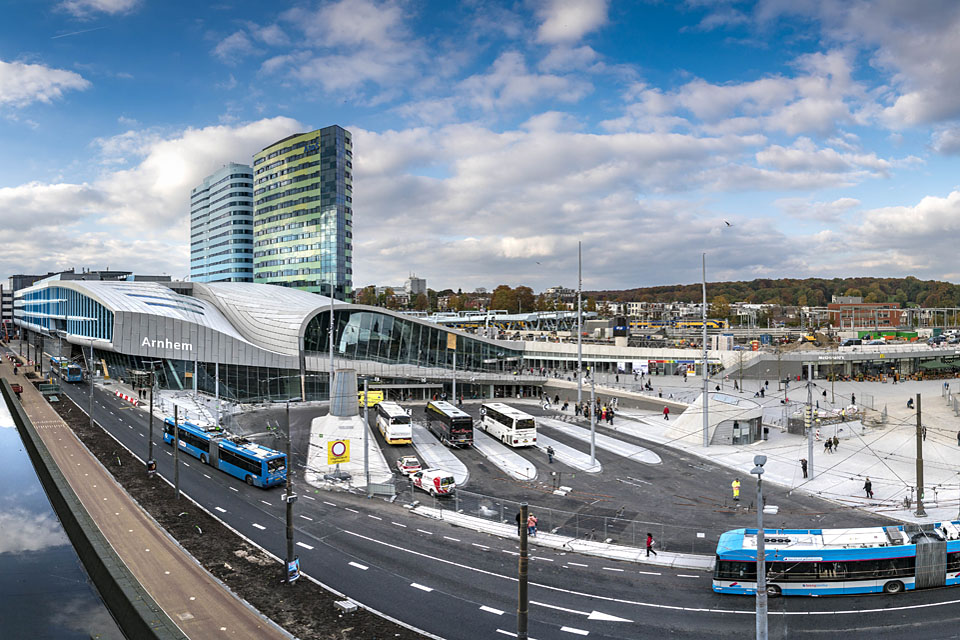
column 421, row 302
column 504, row 297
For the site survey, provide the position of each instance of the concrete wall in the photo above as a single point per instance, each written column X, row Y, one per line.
column 135, row 611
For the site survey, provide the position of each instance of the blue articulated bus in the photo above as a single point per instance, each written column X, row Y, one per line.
column 813, row 562
column 68, row 371
column 253, row 463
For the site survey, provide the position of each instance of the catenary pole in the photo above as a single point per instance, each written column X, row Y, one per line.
column 150, row 449
column 579, row 325
column 921, row 512
column 90, row 367
column 761, row 563
column 289, row 497
column 593, row 419
column 176, row 451
column 522, row 570
column 811, row 470
column 366, row 436
column 706, row 380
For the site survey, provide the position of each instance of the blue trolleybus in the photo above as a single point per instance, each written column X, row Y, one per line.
column 810, row 562
column 68, row 371
column 251, row 462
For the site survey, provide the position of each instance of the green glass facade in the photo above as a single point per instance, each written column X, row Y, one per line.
column 303, row 213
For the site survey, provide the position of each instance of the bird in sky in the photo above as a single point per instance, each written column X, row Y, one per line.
column 727, row 223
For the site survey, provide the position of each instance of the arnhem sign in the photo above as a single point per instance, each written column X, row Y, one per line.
column 166, row 344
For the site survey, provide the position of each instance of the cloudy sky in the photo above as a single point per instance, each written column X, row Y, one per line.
column 491, row 136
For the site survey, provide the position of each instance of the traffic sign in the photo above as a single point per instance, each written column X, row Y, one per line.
column 338, row 451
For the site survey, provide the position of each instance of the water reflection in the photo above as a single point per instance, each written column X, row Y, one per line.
column 44, row 590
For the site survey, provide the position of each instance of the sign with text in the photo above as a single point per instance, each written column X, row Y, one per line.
column 338, row 451
column 452, row 341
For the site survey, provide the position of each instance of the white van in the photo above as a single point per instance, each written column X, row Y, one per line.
column 436, row 482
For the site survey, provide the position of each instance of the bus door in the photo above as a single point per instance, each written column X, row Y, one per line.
column 931, row 567
column 213, row 458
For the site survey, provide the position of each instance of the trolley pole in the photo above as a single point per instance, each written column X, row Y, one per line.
column 810, row 421
column 757, row 470
column 921, row 512
column 593, row 419
column 290, row 499
column 90, row 367
column 151, row 463
column 706, row 375
column 176, row 451
column 366, row 434
column 579, row 326
column 523, row 565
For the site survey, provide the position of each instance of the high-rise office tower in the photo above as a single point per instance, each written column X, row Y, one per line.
column 303, row 213
column 221, row 226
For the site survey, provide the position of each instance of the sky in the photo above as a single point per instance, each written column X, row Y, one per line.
column 781, row 138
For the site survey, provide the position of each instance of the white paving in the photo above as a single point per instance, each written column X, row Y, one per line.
column 506, row 459
column 605, row 442
column 568, row 455
column 435, row 455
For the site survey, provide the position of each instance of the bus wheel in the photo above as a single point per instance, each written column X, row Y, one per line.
column 249, row 480
column 773, row 591
column 203, row 459
column 894, row 586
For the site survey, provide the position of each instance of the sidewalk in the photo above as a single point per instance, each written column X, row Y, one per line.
column 572, row 545
column 186, row 592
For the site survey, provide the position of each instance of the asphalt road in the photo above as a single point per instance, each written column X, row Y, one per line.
column 458, row 584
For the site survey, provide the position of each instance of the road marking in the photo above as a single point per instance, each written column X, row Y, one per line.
column 266, row 503
column 495, row 612
column 234, row 489
column 306, row 518
column 206, row 476
column 686, row 575
column 579, row 632
column 141, row 435
column 351, row 510
column 421, row 587
column 429, row 533
column 553, row 606
column 651, row 573
column 358, row 566
column 370, row 515
column 577, row 564
column 599, row 615
column 220, row 509
column 309, row 497
column 329, row 503
column 399, row 524
column 611, row 569
column 168, row 453
column 510, row 633
column 449, row 538
column 305, row 546
column 259, row 526
column 541, row 558
column 513, row 553
column 482, row 546
column 186, row 464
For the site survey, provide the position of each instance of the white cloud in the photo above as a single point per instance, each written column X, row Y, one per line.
column 568, row 59
column 804, row 155
column 947, row 141
column 271, row 35
column 25, row 531
column 84, row 8
column 22, row 83
column 234, row 47
column 802, row 208
column 566, row 21
column 510, row 83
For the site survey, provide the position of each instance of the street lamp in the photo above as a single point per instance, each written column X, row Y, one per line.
column 151, row 463
column 757, row 470
column 289, row 498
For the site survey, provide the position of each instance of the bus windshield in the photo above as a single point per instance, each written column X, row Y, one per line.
column 461, row 425
column 276, row 465
column 400, row 420
column 526, row 423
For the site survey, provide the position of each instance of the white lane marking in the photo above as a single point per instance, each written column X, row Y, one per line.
column 510, row 633
column 358, row 566
column 421, row 587
column 309, row 497
column 351, row 510
column 305, row 546
column 208, row 477
column 370, row 515
column 541, row 558
column 553, row 606
column 577, row 564
column 429, row 533
column 611, row 569
column 686, row 575
column 599, row 615
column 399, row 524
column 220, row 509
column 513, row 553
column 329, row 503
column 168, row 453
column 306, row 518
column 578, row 632
column 266, row 503
column 259, row 526
column 186, row 464
column 482, row 546
column 651, row 573
column 495, row 612
column 234, row 489
column 140, row 434
column 449, row 538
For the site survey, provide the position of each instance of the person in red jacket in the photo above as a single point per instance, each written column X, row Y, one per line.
column 666, row 413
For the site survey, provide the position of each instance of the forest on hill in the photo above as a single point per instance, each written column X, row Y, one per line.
column 816, row 292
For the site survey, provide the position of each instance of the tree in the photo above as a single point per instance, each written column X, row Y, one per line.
column 368, row 296
column 504, row 297
column 456, row 303
column 422, row 302
column 719, row 307
column 525, row 299
column 591, row 304
column 390, row 299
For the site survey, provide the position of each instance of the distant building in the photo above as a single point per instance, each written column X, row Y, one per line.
column 868, row 315
column 303, row 213
column 221, row 226
column 414, row 286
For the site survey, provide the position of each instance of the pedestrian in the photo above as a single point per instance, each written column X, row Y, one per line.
column 766, row 383
column 761, row 392
column 827, row 444
column 958, row 438
column 824, row 394
column 666, row 413
column 853, row 398
column 610, row 417
column 923, row 432
column 617, row 378
column 735, row 485
column 803, row 466
column 868, row 488
column 735, row 387
column 550, row 454
column 519, row 528
column 532, row 525
column 576, row 409
column 650, row 543
column 836, row 444
column 718, row 388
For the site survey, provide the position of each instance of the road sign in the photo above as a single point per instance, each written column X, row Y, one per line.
column 338, row 451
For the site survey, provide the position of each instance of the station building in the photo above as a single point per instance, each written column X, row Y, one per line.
column 249, row 339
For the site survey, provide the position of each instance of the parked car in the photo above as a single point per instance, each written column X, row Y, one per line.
column 436, row 482
column 408, row 464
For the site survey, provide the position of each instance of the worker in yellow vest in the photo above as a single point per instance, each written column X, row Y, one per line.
column 736, row 488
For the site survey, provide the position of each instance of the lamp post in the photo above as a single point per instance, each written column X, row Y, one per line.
column 151, row 463
column 289, row 498
column 706, row 377
column 757, row 470
column 579, row 326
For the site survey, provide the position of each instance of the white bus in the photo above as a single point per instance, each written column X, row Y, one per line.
column 394, row 423
column 508, row 425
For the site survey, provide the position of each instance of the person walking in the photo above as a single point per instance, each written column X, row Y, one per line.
column 650, row 543
column 550, row 454
column 853, row 398
column 610, row 417
column 868, row 488
column 735, row 485
column 803, row 466
column 923, row 432
column 836, row 444
column 828, row 445
column 666, row 416
column 519, row 526
column 532, row 525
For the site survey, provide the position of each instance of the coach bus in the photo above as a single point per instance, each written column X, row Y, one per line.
column 394, row 423
column 452, row 426
column 253, row 463
column 68, row 371
column 813, row 562
column 508, row 425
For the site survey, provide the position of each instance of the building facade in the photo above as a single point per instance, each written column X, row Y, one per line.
column 221, row 226
column 867, row 315
column 303, row 213
column 414, row 286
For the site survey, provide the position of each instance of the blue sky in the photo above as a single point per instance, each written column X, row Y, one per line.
column 491, row 137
